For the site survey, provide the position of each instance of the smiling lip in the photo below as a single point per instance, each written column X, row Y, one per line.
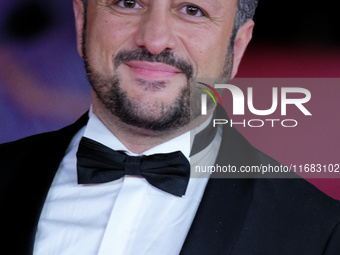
column 150, row 70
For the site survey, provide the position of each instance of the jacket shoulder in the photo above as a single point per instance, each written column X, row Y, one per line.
column 301, row 196
column 290, row 216
column 10, row 149
column 30, row 144
column 36, row 153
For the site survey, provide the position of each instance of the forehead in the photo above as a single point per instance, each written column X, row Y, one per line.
column 212, row 3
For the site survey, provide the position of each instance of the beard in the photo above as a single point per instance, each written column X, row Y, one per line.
column 154, row 116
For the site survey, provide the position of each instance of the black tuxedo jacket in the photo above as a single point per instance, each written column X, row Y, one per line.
column 236, row 216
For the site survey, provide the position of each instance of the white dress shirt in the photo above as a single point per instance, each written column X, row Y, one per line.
column 123, row 217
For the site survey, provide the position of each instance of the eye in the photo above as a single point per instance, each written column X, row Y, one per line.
column 192, row 10
column 131, row 4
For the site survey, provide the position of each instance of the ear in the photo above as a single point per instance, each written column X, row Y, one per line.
column 242, row 40
column 78, row 8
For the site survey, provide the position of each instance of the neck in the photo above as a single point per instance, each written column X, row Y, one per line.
column 138, row 140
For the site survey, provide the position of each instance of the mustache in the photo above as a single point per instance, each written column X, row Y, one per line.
column 165, row 57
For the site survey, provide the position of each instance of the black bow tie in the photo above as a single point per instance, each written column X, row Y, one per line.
column 97, row 163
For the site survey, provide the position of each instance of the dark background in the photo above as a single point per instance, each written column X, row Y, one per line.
column 298, row 22
column 43, row 85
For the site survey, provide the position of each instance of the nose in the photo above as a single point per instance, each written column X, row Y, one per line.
column 154, row 32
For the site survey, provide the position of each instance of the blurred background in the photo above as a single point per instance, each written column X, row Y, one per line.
column 43, row 85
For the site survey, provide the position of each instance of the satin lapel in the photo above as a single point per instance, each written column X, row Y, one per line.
column 224, row 206
column 30, row 168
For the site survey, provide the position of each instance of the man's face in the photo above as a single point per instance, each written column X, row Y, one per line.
column 142, row 56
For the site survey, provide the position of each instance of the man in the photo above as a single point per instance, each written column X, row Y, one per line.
column 59, row 194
